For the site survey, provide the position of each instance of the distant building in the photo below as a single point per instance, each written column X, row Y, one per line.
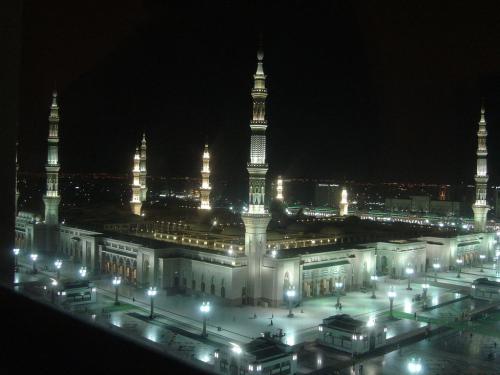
column 326, row 195
column 423, row 204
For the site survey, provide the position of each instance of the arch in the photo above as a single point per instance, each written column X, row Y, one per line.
column 202, row 288
column 384, row 265
column 212, row 289
column 193, row 284
column 223, row 292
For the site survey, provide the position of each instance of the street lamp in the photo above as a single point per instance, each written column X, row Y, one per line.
column 83, row 272
column 152, row 293
column 424, row 288
column 436, row 266
column 117, row 280
column 34, row 258
column 409, row 272
column 414, row 366
column 338, row 286
column 459, row 267
column 482, row 256
column 16, row 254
column 374, row 279
column 391, row 294
column 58, row 264
column 290, row 293
column 53, row 291
column 205, row 309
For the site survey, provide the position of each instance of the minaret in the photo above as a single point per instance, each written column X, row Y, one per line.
column 344, row 204
column 480, row 206
column 279, row 189
column 205, row 181
column 17, row 187
column 135, row 203
column 51, row 199
column 142, row 166
column 257, row 218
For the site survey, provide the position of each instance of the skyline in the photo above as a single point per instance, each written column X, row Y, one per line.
column 353, row 132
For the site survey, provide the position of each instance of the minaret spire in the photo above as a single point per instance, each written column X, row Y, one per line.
column 205, row 180
column 257, row 218
column 17, row 187
column 135, row 203
column 51, row 198
column 480, row 207
column 257, row 167
column 143, row 169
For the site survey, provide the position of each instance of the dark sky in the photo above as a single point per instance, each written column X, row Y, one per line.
column 363, row 90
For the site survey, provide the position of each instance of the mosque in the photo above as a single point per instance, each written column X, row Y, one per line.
column 254, row 265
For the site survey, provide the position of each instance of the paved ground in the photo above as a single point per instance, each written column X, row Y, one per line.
column 178, row 325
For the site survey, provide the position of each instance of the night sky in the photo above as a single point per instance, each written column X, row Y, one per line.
column 365, row 91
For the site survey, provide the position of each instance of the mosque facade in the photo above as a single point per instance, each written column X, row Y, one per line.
column 252, row 271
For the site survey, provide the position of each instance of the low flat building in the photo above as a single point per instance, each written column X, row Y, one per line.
column 342, row 332
column 264, row 355
column 486, row 289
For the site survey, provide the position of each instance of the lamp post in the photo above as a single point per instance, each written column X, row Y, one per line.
column 436, row 266
column 58, row 264
column 16, row 254
column 459, row 267
column 424, row 288
column 391, row 294
column 34, row 258
column 409, row 272
column 338, row 286
column 116, row 282
column 374, row 279
column 53, row 291
column 482, row 256
column 152, row 293
column 290, row 293
column 205, row 309
column 83, row 272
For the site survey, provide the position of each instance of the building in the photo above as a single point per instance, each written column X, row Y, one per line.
column 326, row 195
column 264, row 355
column 342, row 332
column 424, row 205
column 480, row 206
column 486, row 289
column 243, row 268
column 205, row 181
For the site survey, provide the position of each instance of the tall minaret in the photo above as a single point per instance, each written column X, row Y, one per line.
column 205, row 181
column 344, row 204
column 257, row 218
column 135, row 203
column 142, row 167
column 51, row 199
column 480, row 206
column 279, row 189
column 17, row 187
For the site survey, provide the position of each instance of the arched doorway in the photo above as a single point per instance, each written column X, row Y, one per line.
column 384, row 266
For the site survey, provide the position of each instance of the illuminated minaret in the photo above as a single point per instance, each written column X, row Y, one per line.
column 51, row 199
column 279, row 189
column 257, row 219
column 480, row 206
column 17, row 188
column 205, row 181
column 135, row 203
column 344, row 204
column 142, row 167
